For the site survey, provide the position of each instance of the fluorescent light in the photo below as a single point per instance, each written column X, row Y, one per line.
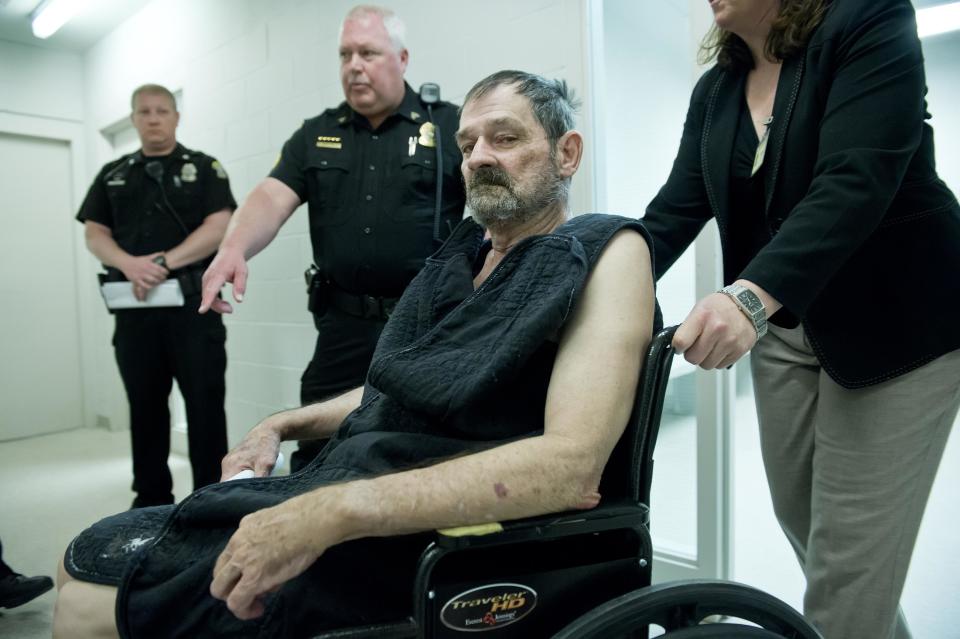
column 939, row 19
column 53, row 14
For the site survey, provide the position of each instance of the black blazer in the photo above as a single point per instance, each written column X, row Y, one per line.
column 865, row 238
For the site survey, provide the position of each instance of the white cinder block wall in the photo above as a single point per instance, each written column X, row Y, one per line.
column 250, row 72
column 40, row 83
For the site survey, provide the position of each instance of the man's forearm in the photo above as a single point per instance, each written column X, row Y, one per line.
column 201, row 243
column 315, row 421
column 105, row 248
column 525, row 478
column 254, row 225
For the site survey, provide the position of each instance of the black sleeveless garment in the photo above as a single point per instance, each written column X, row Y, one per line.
column 457, row 370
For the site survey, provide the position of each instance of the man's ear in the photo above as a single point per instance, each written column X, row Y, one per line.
column 569, row 152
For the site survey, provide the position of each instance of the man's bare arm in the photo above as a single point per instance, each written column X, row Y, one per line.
column 138, row 269
column 201, row 242
column 588, row 404
column 258, row 450
column 252, row 227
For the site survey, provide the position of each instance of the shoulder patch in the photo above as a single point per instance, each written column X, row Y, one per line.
column 221, row 173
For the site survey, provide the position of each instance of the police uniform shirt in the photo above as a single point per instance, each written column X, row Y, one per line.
column 127, row 200
column 372, row 193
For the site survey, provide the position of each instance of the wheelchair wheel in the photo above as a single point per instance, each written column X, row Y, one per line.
column 682, row 605
column 721, row 631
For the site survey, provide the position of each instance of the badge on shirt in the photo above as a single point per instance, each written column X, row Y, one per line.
column 188, row 172
column 415, row 116
column 427, row 138
column 329, row 142
column 221, row 173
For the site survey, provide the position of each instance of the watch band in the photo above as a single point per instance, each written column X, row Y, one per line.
column 749, row 304
column 161, row 260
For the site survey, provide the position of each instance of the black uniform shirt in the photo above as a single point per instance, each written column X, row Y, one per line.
column 126, row 199
column 372, row 194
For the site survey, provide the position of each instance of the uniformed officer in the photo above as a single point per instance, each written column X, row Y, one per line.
column 368, row 170
column 153, row 215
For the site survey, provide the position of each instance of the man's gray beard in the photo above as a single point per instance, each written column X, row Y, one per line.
column 494, row 200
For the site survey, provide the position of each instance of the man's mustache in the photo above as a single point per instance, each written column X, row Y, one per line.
column 490, row 176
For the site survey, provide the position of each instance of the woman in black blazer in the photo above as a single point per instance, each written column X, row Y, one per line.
column 808, row 143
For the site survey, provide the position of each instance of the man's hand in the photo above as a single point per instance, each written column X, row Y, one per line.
column 270, row 547
column 715, row 334
column 257, row 452
column 228, row 266
column 143, row 273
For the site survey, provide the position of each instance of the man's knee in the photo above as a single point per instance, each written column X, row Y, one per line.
column 62, row 575
column 84, row 610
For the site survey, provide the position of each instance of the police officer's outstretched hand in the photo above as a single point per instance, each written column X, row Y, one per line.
column 143, row 272
column 227, row 266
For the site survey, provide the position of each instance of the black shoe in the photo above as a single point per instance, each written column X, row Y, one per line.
column 16, row 590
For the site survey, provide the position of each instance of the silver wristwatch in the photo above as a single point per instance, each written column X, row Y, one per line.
column 748, row 302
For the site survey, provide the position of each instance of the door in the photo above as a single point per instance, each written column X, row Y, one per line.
column 40, row 391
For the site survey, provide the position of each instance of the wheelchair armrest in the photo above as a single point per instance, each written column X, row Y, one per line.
column 606, row 516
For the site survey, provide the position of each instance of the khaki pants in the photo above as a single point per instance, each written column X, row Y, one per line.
column 850, row 472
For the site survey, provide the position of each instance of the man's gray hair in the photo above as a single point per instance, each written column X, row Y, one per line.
column 552, row 101
column 395, row 27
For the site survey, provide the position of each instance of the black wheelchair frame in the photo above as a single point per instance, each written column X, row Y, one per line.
column 580, row 574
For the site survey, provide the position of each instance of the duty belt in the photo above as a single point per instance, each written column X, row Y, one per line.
column 366, row 306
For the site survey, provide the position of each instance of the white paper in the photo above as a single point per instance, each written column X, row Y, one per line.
column 119, row 295
column 247, row 473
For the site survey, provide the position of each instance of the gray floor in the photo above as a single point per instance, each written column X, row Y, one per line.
column 55, row 485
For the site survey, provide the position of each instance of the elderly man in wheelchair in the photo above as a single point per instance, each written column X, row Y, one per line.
column 501, row 386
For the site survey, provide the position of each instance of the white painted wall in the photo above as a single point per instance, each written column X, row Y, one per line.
column 40, row 82
column 249, row 73
column 41, row 96
column 942, row 55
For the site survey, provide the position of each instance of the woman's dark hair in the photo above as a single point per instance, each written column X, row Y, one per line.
column 789, row 33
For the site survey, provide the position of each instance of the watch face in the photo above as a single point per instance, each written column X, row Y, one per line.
column 750, row 300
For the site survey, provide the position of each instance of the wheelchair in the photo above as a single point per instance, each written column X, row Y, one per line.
column 581, row 574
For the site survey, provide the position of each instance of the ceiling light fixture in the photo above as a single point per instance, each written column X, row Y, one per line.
column 939, row 19
column 50, row 15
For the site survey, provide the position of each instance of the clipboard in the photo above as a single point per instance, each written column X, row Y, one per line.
column 119, row 295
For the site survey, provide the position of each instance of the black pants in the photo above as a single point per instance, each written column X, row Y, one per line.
column 154, row 347
column 340, row 361
column 5, row 570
